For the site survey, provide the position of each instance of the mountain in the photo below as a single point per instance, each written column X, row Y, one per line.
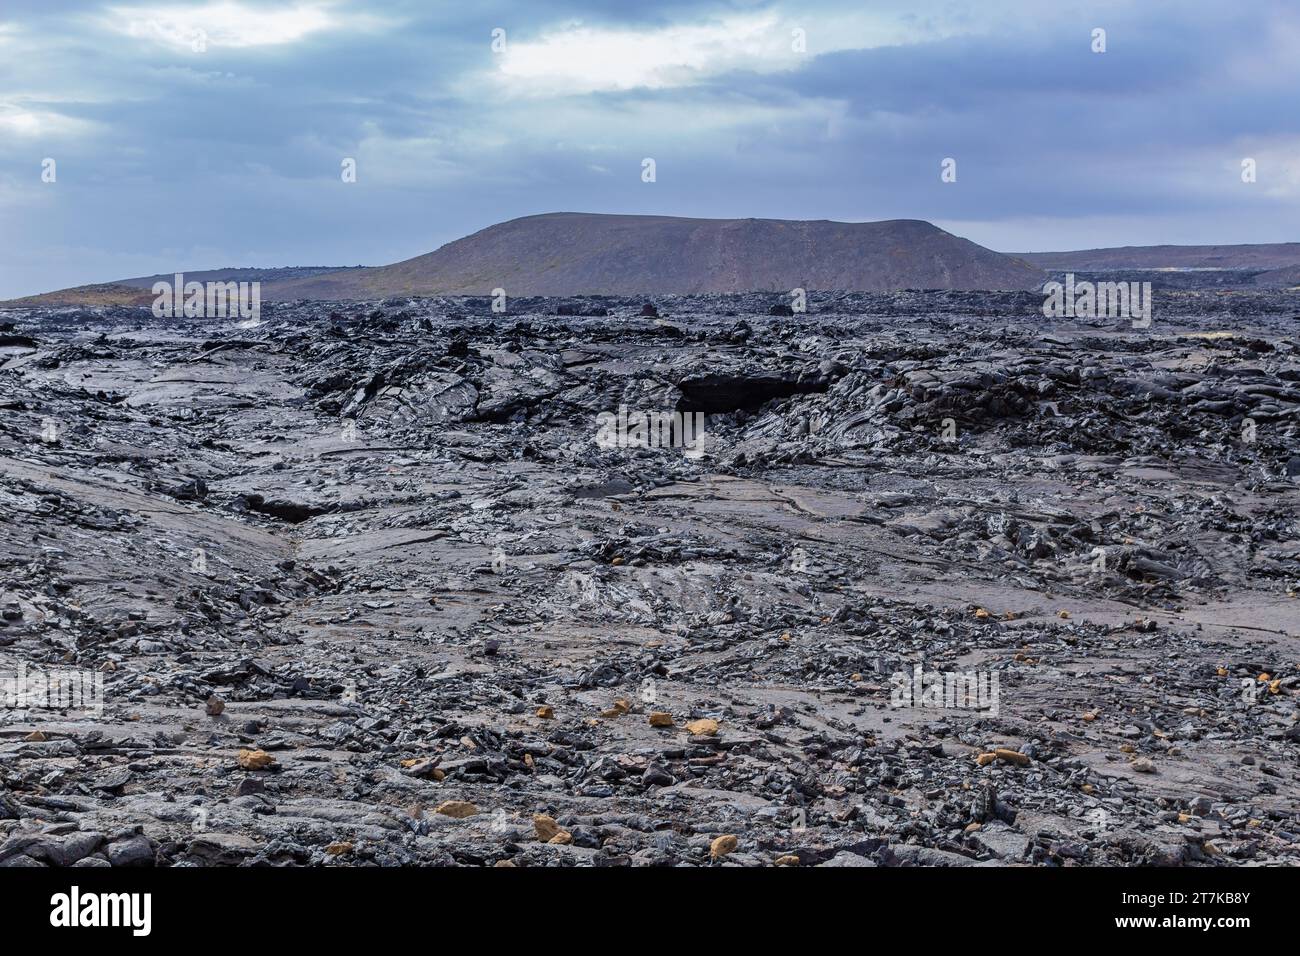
column 584, row 253
column 232, row 274
column 1276, row 255
column 101, row 294
column 138, row 291
column 1288, row 278
column 570, row 253
column 590, row 254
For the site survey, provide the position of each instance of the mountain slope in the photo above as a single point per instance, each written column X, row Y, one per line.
column 591, row 254
column 1275, row 255
column 581, row 253
column 1287, row 278
column 138, row 291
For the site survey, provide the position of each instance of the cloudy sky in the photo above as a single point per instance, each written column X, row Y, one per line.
column 201, row 135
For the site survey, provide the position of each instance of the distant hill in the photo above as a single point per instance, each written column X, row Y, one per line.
column 1277, row 255
column 137, row 291
column 1287, row 278
column 584, row 253
column 570, row 253
column 103, row 294
column 589, row 254
column 233, row 274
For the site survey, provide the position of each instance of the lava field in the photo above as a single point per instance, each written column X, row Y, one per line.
column 357, row 584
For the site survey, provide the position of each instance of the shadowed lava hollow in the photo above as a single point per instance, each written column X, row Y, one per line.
column 363, row 589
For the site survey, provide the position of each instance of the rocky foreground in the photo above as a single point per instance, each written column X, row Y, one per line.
column 363, row 589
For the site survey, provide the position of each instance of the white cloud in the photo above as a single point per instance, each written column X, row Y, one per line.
column 577, row 58
column 582, row 59
column 226, row 24
column 23, row 123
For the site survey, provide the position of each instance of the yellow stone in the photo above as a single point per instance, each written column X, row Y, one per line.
column 619, row 708
column 545, row 827
column 704, row 727
column 456, row 809
column 255, row 759
column 723, row 845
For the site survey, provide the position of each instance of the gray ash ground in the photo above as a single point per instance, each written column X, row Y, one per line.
column 411, row 548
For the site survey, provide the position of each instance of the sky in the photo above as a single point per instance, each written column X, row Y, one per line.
column 213, row 134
